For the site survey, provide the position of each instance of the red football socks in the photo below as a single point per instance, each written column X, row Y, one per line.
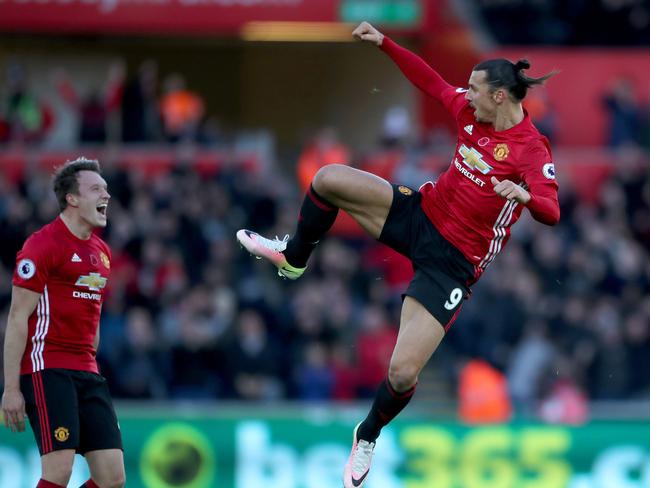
column 89, row 484
column 47, row 484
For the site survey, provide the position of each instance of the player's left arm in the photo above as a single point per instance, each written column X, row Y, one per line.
column 541, row 196
column 540, row 200
column 510, row 190
column 96, row 339
column 109, row 253
column 543, row 204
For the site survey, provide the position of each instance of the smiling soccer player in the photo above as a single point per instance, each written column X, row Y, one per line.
column 53, row 333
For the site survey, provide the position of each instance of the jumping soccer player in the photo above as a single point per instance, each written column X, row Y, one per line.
column 451, row 229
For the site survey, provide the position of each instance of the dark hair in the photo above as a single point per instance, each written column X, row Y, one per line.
column 65, row 177
column 502, row 73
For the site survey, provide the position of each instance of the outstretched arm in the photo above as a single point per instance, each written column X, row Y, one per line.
column 414, row 67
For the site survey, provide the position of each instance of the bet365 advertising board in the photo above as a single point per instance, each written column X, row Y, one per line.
column 272, row 449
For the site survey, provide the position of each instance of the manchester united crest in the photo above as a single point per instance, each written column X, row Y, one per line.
column 405, row 190
column 61, row 434
column 105, row 260
column 501, row 152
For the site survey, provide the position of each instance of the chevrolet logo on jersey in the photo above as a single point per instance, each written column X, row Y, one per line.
column 94, row 281
column 474, row 159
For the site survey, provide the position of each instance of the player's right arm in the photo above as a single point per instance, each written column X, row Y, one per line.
column 23, row 304
column 30, row 277
column 414, row 67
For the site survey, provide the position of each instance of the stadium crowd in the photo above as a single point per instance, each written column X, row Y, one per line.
column 566, row 22
column 189, row 316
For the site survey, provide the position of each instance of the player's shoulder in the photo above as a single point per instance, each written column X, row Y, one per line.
column 465, row 111
column 39, row 249
column 43, row 238
column 458, row 91
column 534, row 139
column 454, row 100
column 538, row 147
column 97, row 240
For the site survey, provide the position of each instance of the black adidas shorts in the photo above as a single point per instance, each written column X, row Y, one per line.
column 70, row 409
column 442, row 274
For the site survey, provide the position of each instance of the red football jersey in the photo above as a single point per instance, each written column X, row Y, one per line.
column 462, row 203
column 70, row 274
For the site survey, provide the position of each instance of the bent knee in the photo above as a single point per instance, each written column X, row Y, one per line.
column 118, row 482
column 402, row 376
column 114, row 480
column 326, row 179
column 57, row 467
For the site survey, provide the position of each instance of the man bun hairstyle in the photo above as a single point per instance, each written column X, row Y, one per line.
column 502, row 73
column 522, row 64
column 65, row 178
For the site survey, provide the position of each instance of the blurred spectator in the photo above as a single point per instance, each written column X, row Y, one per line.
column 541, row 112
column 139, row 367
column 98, row 111
column 529, row 363
column 482, row 394
column 27, row 119
column 608, row 372
column 324, row 149
column 211, row 132
column 253, row 361
column 384, row 162
column 113, row 92
column 308, row 306
column 93, row 119
column 345, row 373
column 141, row 120
column 644, row 130
column 623, row 112
column 566, row 403
column 196, row 360
column 16, row 214
column 637, row 338
column 314, row 376
column 375, row 345
column 396, row 126
column 181, row 109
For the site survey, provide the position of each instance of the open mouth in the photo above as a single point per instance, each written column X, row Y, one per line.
column 101, row 208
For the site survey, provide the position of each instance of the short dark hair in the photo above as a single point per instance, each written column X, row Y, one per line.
column 65, row 178
column 502, row 73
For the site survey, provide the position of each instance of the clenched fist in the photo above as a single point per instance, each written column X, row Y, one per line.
column 366, row 32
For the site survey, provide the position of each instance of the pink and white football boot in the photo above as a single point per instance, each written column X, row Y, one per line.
column 271, row 250
column 358, row 466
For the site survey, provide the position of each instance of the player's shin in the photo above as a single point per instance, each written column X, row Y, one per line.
column 387, row 405
column 316, row 217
